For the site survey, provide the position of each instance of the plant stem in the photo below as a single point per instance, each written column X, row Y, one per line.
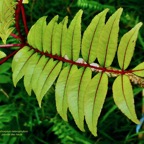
column 112, row 72
column 9, row 56
column 24, row 19
column 13, row 53
column 15, row 36
column 102, row 69
column 10, row 45
column 17, row 19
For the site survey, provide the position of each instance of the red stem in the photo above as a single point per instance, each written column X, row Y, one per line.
column 17, row 19
column 24, row 19
column 15, row 36
column 103, row 69
column 9, row 56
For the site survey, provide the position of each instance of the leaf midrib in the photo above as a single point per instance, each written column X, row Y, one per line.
column 49, row 75
column 66, row 86
column 96, row 95
column 79, row 91
column 92, row 40
column 123, row 91
column 108, row 43
column 125, row 53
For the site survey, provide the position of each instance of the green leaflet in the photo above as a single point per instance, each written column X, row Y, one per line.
column 91, row 37
column 20, row 66
column 123, row 97
column 29, row 72
column 48, row 35
column 5, row 35
column 2, row 54
column 59, row 38
column 95, row 94
column 36, row 33
column 60, row 91
column 73, row 40
column 18, row 55
column 126, row 47
column 47, row 78
column 107, row 45
column 75, row 92
column 139, row 70
column 37, row 72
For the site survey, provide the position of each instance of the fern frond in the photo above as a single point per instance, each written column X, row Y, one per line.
column 94, row 5
column 57, row 52
column 7, row 10
column 66, row 133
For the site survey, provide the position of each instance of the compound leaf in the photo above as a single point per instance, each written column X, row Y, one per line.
column 53, row 52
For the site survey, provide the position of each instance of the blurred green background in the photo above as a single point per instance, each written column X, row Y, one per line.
column 20, row 112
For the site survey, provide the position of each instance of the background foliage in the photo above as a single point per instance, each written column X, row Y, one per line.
column 18, row 111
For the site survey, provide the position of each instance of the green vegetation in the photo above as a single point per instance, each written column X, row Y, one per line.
column 20, row 114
